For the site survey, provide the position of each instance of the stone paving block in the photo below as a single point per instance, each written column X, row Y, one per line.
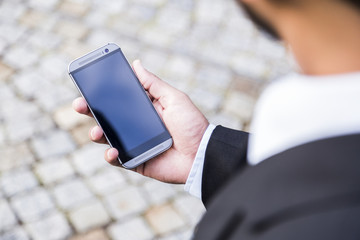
column 43, row 40
column 32, row 19
column 108, row 180
column 23, row 119
column 96, row 18
column 207, row 101
column 53, row 144
column 74, row 8
column 5, row 71
column 190, row 207
column 2, row 45
column 210, row 13
column 178, row 235
column 43, row 4
column 71, row 30
column 57, row 95
column 10, row 11
column 71, row 194
column 54, row 67
column 15, row 156
column 54, row 170
column 7, row 218
column 30, row 83
column 21, row 57
column 126, row 202
column 88, row 159
column 154, row 61
column 155, row 3
column 81, row 133
column 181, row 67
column 213, row 78
column 240, row 105
column 158, row 192
column 11, row 33
column 17, row 181
column 97, row 234
column 225, row 119
column 17, row 233
column 250, row 66
column 214, row 54
column 2, row 137
column 157, row 37
column 33, row 205
column 141, row 12
column 22, row 129
column 134, row 177
column 164, row 219
column 74, row 49
column 66, row 118
column 109, row 6
column 101, row 37
column 51, row 227
column 89, row 215
column 131, row 229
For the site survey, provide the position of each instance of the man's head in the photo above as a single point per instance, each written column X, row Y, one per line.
column 265, row 25
column 316, row 30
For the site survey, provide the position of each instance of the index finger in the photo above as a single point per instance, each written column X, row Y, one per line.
column 80, row 105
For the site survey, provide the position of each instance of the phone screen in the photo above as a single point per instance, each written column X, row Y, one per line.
column 120, row 105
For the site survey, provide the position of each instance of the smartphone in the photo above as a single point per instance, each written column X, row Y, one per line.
column 120, row 105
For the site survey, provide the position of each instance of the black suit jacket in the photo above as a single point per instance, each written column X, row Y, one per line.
column 311, row 191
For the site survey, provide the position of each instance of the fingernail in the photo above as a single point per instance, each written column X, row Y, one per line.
column 111, row 153
column 92, row 133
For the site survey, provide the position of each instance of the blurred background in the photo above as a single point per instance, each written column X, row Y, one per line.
column 54, row 183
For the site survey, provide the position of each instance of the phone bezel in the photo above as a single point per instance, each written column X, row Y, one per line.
column 90, row 58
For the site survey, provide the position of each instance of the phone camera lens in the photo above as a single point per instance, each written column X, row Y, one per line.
column 106, row 50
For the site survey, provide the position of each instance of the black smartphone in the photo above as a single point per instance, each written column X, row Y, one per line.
column 120, row 105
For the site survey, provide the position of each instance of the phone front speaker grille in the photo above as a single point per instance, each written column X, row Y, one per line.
column 90, row 58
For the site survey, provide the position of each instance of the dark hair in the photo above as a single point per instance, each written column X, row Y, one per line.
column 267, row 28
column 355, row 3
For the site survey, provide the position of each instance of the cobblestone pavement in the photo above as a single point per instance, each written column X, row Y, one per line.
column 54, row 182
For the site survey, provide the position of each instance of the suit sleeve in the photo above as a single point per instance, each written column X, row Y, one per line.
column 226, row 154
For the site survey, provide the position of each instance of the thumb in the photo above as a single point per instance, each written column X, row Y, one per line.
column 154, row 85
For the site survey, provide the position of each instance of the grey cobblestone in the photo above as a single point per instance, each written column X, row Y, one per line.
column 71, row 194
column 89, row 215
column 17, row 156
column 17, row 233
column 17, row 181
column 164, row 219
column 132, row 229
column 158, row 192
column 52, row 227
column 53, row 144
column 97, row 234
column 52, row 179
column 21, row 57
column 190, row 207
column 106, row 181
column 54, row 170
column 126, row 202
column 7, row 217
column 88, row 159
column 33, row 205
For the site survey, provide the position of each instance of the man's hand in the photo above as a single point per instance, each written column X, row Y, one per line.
column 184, row 121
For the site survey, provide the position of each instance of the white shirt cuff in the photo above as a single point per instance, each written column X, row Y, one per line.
column 194, row 180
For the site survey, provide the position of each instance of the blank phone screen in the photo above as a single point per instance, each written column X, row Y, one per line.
column 120, row 105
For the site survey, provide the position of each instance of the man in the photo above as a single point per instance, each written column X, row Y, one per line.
column 297, row 176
